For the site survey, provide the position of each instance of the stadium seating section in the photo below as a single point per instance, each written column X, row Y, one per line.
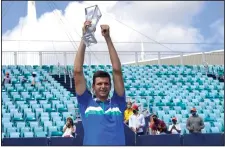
column 168, row 91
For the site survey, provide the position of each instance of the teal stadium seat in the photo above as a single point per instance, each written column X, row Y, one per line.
column 24, row 129
column 40, row 134
column 28, row 134
column 215, row 130
column 38, row 129
column 14, row 135
column 219, row 126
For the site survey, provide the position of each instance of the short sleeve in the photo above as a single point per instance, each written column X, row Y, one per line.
column 120, row 100
column 83, row 100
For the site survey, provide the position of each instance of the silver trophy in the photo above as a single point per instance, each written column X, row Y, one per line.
column 92, row 14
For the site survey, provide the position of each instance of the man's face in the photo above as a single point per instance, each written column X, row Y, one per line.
column 69, row 121
column 129, row 105
column 7, row 75
column 193, row 113
column 174, row 121
column 101, row 87
column 154, row 118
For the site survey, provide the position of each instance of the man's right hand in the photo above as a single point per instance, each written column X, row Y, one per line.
column 86, row 25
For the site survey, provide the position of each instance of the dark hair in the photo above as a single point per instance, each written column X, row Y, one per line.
column 71, row 120
column 154, row 115
column 101, row 74
column 129, row 102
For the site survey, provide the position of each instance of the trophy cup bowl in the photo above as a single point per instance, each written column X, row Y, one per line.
column 92, row 14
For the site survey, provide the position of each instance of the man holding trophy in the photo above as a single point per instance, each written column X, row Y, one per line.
column 102, row 117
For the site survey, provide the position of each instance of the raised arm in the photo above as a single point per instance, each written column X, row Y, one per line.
column 116, row 65
column 79, row 79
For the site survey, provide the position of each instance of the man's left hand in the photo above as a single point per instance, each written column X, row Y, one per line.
column 105, row 30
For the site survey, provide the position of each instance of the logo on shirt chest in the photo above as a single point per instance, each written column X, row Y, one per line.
column 91, row 110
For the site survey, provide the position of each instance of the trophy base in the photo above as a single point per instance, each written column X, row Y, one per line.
column 89, row 39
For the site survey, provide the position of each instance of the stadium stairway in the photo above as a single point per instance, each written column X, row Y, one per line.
column 214, row 77
column 67, row 84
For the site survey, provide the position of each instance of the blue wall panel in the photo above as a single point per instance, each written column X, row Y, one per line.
column 158, row 140
column 129, row 136
column 203, row 139
column 25, row 141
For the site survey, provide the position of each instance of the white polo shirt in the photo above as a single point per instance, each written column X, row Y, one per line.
column 137, row 120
